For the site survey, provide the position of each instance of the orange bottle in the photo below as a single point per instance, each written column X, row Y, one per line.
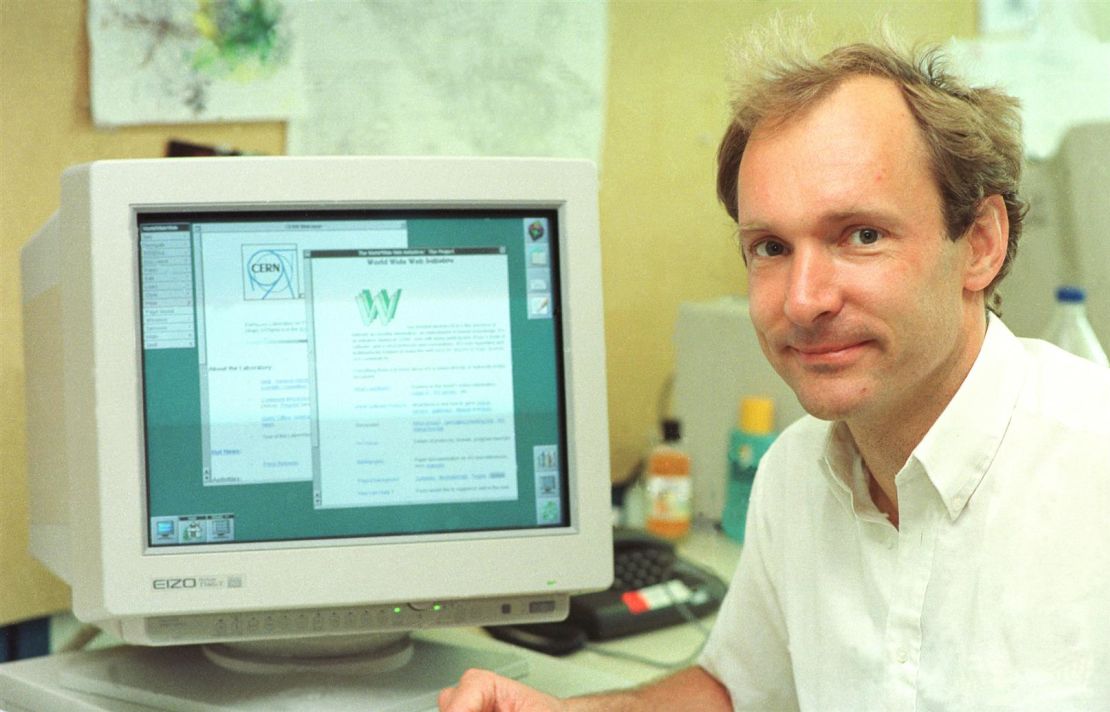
column 669, row 489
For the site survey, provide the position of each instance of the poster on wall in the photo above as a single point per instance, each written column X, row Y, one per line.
column 177, row 61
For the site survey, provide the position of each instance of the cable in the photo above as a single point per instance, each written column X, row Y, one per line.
column 643, row 660
column 692, row 620
column 81, row 639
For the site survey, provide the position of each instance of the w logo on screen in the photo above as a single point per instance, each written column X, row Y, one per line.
column 377, row 307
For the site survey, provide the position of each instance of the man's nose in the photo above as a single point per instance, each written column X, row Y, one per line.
column 813, row 292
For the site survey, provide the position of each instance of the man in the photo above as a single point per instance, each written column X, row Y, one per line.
column 936, row 537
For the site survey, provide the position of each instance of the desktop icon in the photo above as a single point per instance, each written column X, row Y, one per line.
column 549, row 512
column 193, row 531
column 220, row 529
column 163, row 531
column 539, row 257
column 540, row 306
column 547, row 457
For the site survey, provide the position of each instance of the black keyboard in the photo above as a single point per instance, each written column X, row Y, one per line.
column 636, row 567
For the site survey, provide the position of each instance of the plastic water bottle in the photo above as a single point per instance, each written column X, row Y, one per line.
column 1069, row 328
column 753, row 434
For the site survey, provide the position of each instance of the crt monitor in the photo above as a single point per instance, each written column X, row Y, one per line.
column 303, row 406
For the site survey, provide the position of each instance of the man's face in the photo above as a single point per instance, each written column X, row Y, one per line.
column 856, row 293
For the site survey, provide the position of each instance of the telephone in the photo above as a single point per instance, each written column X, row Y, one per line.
column 652, row 588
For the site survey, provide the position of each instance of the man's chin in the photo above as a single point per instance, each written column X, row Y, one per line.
column 823, row 411
column 827, row 404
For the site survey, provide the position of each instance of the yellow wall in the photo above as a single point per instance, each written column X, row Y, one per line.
column 44, row 127
column 665, row 240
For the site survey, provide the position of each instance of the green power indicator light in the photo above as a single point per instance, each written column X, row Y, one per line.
column 397, row 609
column 437, row 607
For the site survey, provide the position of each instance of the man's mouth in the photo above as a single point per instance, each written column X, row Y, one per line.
column 828, row 355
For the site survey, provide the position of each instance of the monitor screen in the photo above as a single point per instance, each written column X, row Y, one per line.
column 316, row 374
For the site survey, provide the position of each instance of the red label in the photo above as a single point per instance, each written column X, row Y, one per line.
column 635, row 602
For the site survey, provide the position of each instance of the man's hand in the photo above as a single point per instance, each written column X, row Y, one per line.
column 483, row 691
column 689, row 690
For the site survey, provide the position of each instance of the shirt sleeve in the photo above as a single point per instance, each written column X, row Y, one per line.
column 747, row 649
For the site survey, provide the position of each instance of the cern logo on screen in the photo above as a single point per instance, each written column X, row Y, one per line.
column 270, row 272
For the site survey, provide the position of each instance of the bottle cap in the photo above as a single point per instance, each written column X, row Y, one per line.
column 1071, row 295
column 672, row 430
column 757, row 415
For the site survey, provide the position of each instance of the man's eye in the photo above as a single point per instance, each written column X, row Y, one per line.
column 864, row 236
column 769, row 248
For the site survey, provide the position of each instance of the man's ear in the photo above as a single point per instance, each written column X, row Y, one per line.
column 988, row 238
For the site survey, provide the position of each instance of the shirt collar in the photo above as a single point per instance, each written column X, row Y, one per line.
column 960, row 446
column 843, row 467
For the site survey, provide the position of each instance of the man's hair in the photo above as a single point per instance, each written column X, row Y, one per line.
column 972, row 135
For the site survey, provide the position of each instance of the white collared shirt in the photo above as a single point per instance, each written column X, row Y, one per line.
column 993, row 593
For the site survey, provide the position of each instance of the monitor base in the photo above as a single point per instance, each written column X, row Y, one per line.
column 184, row 678
column 369, row 654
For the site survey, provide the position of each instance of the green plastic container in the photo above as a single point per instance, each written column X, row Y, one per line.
column 748, row 443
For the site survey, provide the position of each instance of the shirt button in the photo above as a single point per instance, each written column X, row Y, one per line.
column 891, row 542
column 902, row 656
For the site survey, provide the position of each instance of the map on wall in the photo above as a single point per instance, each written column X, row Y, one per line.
column 174, row 61
column 436, row 77
column 482, row 77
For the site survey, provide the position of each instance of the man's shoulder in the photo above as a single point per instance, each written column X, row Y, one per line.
column 1066, row 388
column 788, row 479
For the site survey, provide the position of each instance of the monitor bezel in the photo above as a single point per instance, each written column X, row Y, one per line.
column 111, row 573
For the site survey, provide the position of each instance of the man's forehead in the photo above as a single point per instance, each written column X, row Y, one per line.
column 857, row 144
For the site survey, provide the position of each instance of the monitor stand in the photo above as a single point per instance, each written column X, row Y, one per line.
column 407, row 677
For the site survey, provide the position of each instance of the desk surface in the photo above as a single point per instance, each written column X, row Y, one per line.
column 706, row 547
column 590, row 670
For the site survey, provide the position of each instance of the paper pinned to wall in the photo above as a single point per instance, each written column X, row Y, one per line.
column 175, row 61
column 498, row 77
column 1059, row 71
